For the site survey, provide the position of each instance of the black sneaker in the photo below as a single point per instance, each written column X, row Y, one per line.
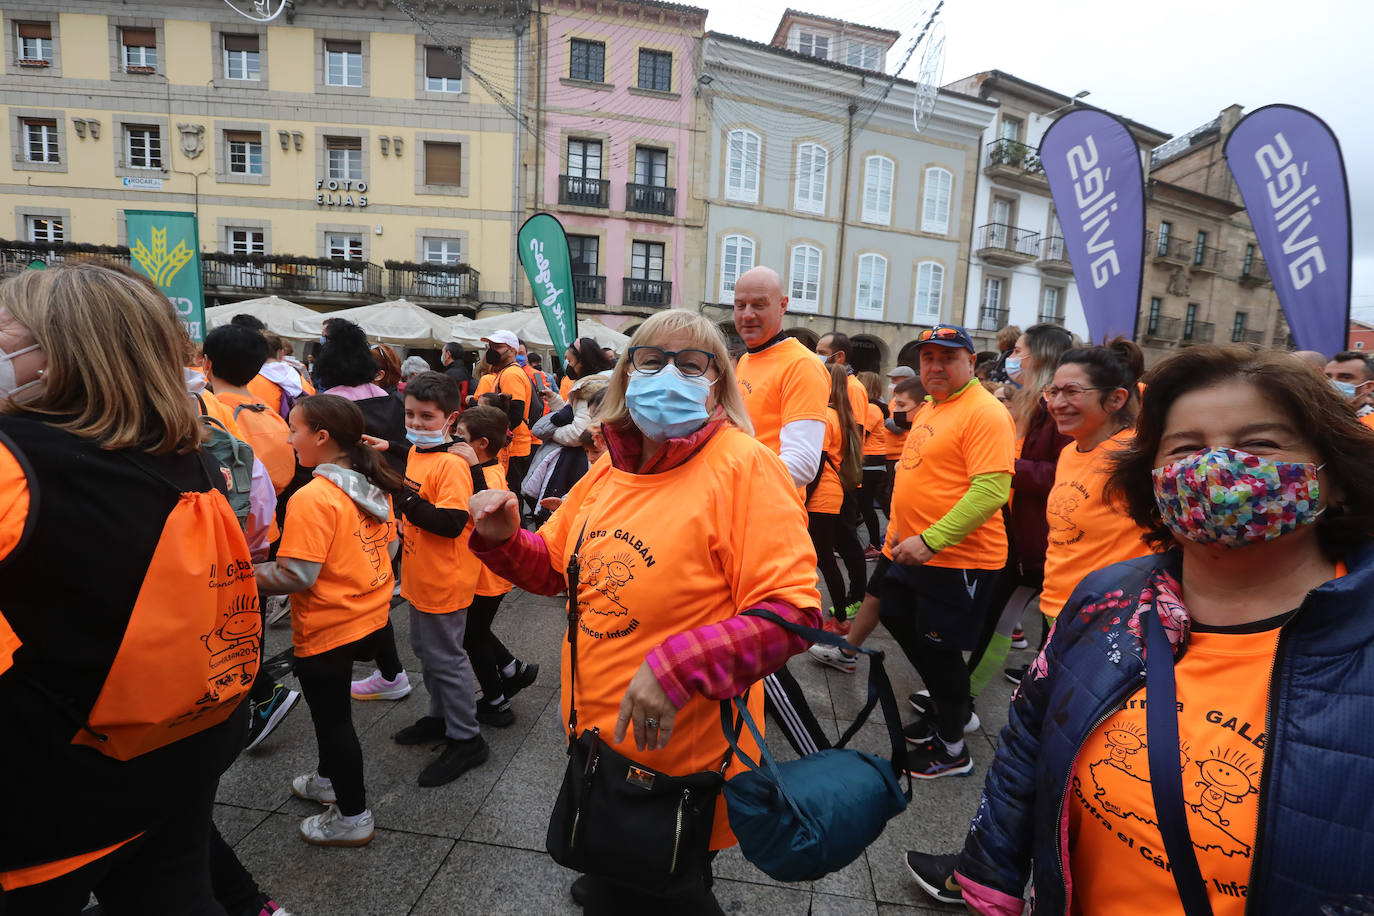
column 921, row 731
column 523, row 677
column 935, row 875
column 267, row 716
column 579, row 889
column 925, row 721
column 428, row 729
column 933, row 760
column 498, row 715
column 1016, row 675
column 458, row 757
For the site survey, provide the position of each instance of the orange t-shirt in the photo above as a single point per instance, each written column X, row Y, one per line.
column 265, row 390
column 266, row 432
column 1116, row 851
column 828, row 496
column 9, row 644
column 565, row 387
column 513, row 381
column 784, row 383
column 893, row 443
column 208, row 405
column 858, row 400
column 740, row 540
column 1087, row 532
column 438, row 574
column 1368, row 420
column 875, row 443
column 352, row 595
column 489, row 583
column 951, row 442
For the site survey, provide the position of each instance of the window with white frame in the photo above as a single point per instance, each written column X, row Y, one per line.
column 804, row 282
column 813, row 45
column 343, row 63
column 344, row 245
column 245, row 152
column 878, row 171
column 736, row 256
column 935, row 204
column 1052, row 305
column 742, row 149
column 241, row 60
column 33, row 43
column 813, row 164
column 344, row 158
column 870, row 287
column 246, row 241
column 443, row 251
column 869, row 57
column 930, row 290
column 991, row 312
column 46, row 229
column 40, row 140
column 140, row 50
column 443, row 71
column 142, row 147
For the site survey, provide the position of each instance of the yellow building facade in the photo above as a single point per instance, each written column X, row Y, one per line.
column 347, row 133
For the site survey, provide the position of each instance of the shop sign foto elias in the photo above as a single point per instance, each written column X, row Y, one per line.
column 340, row 192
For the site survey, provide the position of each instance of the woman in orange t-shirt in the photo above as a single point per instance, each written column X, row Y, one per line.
column 685, row 524
column 335, row 562
column 874, row 463
column 824, row 499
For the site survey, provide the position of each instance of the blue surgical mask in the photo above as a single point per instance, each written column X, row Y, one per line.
column 1013, row 366
column 521, row 360
column 667, row 404
column 1347, row 389
column 425, row 438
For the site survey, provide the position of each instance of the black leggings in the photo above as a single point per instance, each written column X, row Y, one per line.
column 824, row 530
column 487, row 653
column 869, row 496
column 325, row 680
column 847, row 540
column 946, row 676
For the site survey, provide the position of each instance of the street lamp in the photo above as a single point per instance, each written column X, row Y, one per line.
column 1068, row 104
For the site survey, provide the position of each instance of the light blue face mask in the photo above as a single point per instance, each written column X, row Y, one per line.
column 1013, row 366
column 1347, row 389
column 667, row 404
column 425, row 438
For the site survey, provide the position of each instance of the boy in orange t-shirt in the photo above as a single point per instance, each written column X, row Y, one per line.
column 479, row 434
column 439, row 577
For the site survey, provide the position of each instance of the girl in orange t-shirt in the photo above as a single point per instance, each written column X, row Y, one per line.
column 824, row 499
column 875, row 464
column 335, row 562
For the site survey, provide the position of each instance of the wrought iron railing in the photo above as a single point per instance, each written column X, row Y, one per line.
column 1009, row 238
column 647, row 292
column 589, row 288
column 584, row 192
column 648, row 198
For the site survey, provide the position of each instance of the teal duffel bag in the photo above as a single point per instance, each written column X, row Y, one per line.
column 803, row 819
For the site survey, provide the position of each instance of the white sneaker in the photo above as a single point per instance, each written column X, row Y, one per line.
column 328, row 829
column 278, row 606
column 834, row 657
column 312, row 788
column 376, row 687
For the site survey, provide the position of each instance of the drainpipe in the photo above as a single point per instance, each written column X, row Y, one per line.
column 519, row 129
column 844, row 213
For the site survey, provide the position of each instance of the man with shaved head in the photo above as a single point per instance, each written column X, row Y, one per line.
column 786, row 390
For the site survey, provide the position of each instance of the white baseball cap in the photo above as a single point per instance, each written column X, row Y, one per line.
column 503, row 337
column 901, row 372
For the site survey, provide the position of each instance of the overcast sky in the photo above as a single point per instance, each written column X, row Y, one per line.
column 1171, row 64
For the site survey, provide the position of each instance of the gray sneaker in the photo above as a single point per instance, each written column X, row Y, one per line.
column 328, row 829
column 311, row 788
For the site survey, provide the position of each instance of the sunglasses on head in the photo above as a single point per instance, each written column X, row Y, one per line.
column 939, row 332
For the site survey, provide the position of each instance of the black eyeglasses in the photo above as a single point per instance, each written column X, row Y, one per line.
column 691, row 363
column 1069, row 392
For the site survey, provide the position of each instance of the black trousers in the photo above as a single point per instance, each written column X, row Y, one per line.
column 869, row 496
column 516, row 469
column 785, row 702
column 851, row 551
column 824, row 531
column 164, row 871
column 233, row 886
column 487, row 653
column 325, row 680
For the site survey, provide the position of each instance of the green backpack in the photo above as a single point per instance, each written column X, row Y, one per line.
column 851, row 469
column 234, row 457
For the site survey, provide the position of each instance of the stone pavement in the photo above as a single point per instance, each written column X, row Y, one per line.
column 476, row 845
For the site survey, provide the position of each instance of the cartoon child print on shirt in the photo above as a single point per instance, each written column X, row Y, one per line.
column 1224, row 780
column 375, row 535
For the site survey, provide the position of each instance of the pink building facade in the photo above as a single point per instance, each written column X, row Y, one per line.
column 618, row 99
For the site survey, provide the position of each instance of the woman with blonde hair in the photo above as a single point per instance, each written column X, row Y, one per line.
column 683, row 526
column 113, row 740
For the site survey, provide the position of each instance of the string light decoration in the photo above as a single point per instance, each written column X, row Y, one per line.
column 260, row 10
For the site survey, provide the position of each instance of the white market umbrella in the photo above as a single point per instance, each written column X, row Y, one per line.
column 278, row 314
column 528, row 325
column 396, row 322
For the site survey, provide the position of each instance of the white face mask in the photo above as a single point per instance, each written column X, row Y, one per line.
column 9, row 386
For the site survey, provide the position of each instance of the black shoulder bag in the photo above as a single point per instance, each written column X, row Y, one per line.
column 620, row 820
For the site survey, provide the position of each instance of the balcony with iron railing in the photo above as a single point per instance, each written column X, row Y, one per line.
column 1197, row 332
column 584, row 192
column 646, row 292
column 1052, row 318
column 589, row 288
column 1207, row 260
column 1252, row 336
column 16, row 257
column 1168, row 249
column 1005, row 245
column 318, row 279
column 992, row 319
column 1014, row 162
column 1161, row 327
column 432, row 284
column 1054, row 257
column 1254, row 273
column 650, row 198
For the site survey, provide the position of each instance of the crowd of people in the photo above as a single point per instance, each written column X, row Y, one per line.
column 1200, row 531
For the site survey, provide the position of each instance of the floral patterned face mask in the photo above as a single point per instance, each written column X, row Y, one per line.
column 1233, row 498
